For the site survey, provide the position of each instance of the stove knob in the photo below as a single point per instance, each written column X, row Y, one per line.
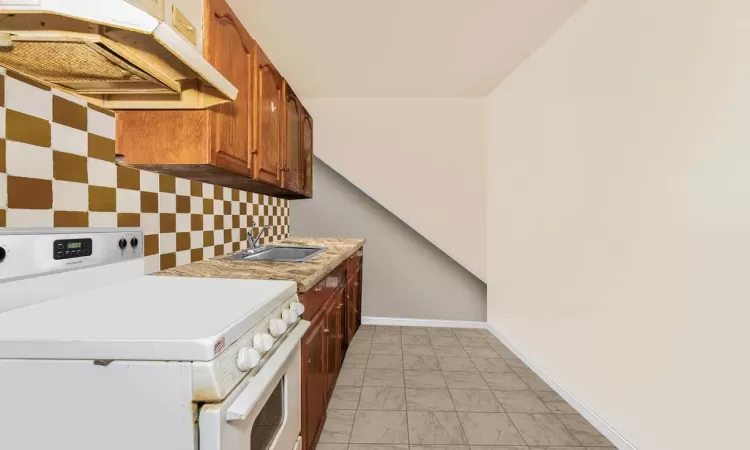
column 277, row 327
column 297, row 307
column 247, row 358
column 123, row 243
column 289, row 316
column 262, row 342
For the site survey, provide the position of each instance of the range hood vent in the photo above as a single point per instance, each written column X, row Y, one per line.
column 83, row 67
column 110, row 66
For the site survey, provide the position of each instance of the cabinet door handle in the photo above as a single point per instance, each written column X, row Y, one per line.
column 318, row 289
column 326, row 330
column 340, row 306
column 356, row 283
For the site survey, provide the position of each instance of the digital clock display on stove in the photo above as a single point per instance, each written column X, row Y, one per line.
column 71, row 248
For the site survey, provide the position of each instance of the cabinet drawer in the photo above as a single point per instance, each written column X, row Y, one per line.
column 316, row 297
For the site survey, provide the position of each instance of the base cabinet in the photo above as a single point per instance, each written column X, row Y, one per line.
column 334, row 334
column 334, row 309
column 353, row 300
column 313, row 382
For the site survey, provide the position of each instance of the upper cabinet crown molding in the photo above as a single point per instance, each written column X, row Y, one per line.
column 258, row 143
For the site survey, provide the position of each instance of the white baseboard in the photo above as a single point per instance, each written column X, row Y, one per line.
column 616, row 438
column 401, row 322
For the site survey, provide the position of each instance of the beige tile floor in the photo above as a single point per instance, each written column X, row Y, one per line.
column 410, row 388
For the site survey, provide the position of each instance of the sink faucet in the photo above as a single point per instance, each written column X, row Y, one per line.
column 252, row 242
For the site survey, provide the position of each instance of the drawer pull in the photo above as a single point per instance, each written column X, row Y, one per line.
column 326, row 330
column 318, row 289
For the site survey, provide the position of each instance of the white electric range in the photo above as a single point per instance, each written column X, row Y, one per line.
column 96, row 355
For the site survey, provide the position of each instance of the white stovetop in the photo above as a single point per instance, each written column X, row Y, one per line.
column 146, row 318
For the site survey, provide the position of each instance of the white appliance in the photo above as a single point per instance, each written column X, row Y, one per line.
column 117, row 54
column 95, row 355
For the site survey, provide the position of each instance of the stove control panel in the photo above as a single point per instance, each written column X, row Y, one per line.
column 72, row 248
column 37, row 251
column 212, row 380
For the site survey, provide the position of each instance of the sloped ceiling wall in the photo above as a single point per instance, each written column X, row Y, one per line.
column 397, row 88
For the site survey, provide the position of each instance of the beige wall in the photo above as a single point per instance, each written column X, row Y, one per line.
column 619, row 216
column 422, row 159
column 404, row 275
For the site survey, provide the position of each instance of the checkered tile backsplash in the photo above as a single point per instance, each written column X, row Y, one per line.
column 57, row 169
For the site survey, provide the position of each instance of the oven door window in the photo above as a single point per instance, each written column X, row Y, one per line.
column 269, row 420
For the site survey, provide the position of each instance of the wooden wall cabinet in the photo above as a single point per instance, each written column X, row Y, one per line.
column 306, row 141
column 293, row 162
column 247, row 144
column 233, row 52
column 270, row 122
column 298, row 143
column 334, row 308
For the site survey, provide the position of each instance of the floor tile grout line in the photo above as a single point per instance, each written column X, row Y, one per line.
column 466, row 436
column 493, row 391
column 356, row 411
column 406, row 410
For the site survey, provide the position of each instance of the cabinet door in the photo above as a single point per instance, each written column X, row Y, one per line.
column 329, row 314
column 351, row 312
column 270, row 109
column 334, row 341
column 313, row 383
column 353, row 304
column 293, row 163
column 232, row 51
column 307, row 154
column 340, row 331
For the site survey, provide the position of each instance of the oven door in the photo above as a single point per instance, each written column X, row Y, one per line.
column 264, row 411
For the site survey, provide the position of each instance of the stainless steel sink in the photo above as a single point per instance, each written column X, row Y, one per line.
column 283, row 253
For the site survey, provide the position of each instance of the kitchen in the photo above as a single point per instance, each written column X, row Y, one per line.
column 94, row 208
column 335, row 225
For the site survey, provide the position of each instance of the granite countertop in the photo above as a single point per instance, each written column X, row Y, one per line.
column 306, row 274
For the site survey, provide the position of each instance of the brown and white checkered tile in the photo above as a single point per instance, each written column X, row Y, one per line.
column 57, row 168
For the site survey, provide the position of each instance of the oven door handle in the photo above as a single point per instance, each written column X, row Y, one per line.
column 241, row 408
